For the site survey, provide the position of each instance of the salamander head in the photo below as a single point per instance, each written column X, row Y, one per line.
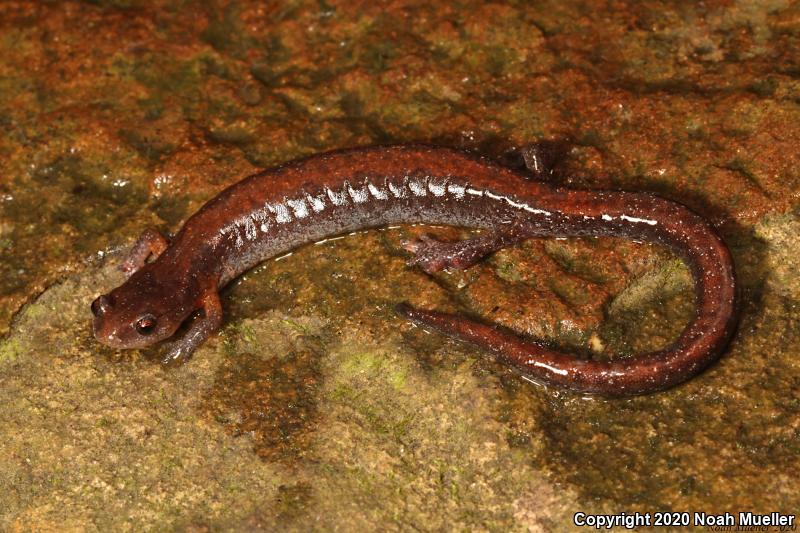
column 142, row 311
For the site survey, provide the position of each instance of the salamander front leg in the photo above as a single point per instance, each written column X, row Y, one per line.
column 433, row 255
column 150, row 242
column 202, row 327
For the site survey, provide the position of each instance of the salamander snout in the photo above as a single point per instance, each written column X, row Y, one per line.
column 139, row 313
column 119, row 326
column 103, row 323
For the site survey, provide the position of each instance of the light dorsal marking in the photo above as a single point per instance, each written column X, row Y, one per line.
column 379, row 194
column 417, row 187
column 337, row 198
column 456, row 190
column 398, row 190
column 437, row 188
column 299, row 207
column 281, row 212
column 359, row 196
column 317, row 202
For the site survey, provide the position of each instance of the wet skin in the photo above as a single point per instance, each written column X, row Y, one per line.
column 307, row 200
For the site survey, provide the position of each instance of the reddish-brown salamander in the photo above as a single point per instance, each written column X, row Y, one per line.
column 303, row 201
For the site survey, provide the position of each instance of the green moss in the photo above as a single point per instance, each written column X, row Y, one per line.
column 580, row 263
column 371, row 365
column 667, row 280
column 10, row 350
column 35, row 311
column 247, row 333
column 225, row 33
column 499, row 60
column 650, row 312
column 150, row 144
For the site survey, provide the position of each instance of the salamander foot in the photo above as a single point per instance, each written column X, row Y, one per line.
column 150, row 243
column 433, row 255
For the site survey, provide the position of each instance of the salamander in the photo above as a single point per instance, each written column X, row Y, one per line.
column 307, row 200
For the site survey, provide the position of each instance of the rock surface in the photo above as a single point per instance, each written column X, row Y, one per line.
column 317, row 408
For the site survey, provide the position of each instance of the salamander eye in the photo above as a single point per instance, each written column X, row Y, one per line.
column 146, row 325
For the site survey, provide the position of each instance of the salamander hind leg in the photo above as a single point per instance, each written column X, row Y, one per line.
column 150, row 243
column 201, row 328
column 542, row 158
column 433, row 255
